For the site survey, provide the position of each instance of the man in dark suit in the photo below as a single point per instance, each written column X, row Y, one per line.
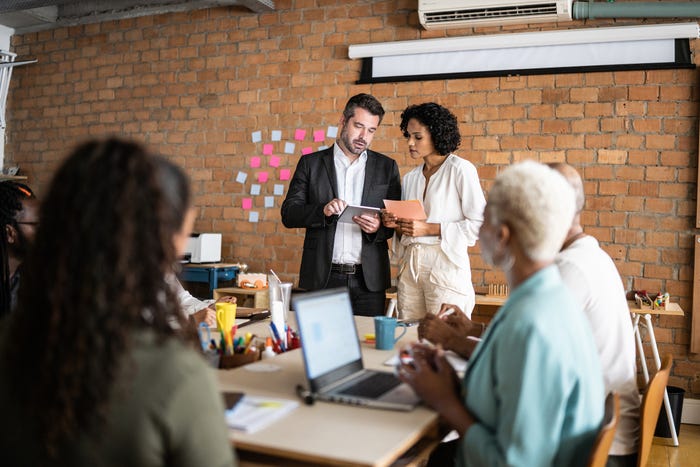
column 353, row 254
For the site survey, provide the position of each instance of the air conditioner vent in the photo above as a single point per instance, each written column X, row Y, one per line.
column 465, row 13
column 491, row 13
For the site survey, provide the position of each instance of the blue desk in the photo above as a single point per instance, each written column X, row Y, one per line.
column 210, row 273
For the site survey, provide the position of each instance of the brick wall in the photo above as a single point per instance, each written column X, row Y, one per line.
column 196, row 85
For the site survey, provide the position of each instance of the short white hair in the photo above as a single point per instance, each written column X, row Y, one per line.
column 537, row 203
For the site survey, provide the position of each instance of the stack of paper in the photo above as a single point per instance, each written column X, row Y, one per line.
column 253, row 413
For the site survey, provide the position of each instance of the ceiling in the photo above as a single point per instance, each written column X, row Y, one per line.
column 36, row 15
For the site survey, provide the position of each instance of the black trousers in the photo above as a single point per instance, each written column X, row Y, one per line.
column 364, row 302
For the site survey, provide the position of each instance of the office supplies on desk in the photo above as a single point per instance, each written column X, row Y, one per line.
column 385, row 332
column 277, row 336
column 333, row 357
column 252, row 280
column 390, row 308
column 204, row 335
column 225, row 315
column 252, row 413
column 252, row 313
column 231, row 399
column 305, row 395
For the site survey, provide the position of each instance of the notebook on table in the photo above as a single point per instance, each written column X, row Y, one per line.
column 333, row 356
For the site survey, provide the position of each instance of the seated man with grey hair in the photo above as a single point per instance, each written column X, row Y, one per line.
column 593, row 278
column 533, row 393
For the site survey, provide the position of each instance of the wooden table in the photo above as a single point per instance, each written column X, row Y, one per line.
column 480, row 299
column 325, row 433
column 672, row 309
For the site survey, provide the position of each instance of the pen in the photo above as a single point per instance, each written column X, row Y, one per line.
column 446, row 313
column 231, row 341
column 249, row 346
column 277, row 336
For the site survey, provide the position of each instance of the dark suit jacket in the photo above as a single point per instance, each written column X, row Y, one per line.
column 313, row 185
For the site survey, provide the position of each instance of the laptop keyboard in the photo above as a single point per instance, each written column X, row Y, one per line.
column 373, row 386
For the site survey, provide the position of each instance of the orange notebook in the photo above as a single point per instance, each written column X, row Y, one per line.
column 408, row 209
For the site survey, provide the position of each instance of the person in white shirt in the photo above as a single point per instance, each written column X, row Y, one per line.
column 593, row 278
column 434, row 265
column 194, row 308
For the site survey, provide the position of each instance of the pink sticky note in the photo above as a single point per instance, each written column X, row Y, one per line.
column 305, row 151
column 262, row 177
column 255, row 161
column 299, row 134
column 267, row 149
column 247, row 203
column 285, row 174
column 319, row 135
column 274, row 161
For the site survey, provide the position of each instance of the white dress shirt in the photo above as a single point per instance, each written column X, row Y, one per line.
column 350, row 177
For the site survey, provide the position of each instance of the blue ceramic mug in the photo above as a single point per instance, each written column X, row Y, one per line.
column 385, row 330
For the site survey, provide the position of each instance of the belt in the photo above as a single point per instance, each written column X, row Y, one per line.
column 346, row 268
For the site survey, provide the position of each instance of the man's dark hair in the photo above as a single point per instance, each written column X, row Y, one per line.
column 441, row 123
column 96, row 273
column 12, row 194
column 363, row 101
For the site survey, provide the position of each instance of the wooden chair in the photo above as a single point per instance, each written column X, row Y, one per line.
column 649, row 411
column 601, row 447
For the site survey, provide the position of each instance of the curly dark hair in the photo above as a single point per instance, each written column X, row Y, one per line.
column 97, row 272
column 441, row 123
column 363, row 101
column 12, row 194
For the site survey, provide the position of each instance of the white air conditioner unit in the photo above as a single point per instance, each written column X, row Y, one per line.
column 441, row 14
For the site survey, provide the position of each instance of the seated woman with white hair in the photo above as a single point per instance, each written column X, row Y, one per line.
column 533, row 393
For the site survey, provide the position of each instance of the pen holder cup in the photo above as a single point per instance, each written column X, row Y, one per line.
column 226, row 362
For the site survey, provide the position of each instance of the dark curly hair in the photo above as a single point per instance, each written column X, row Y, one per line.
column 12, row 194
column 363, row 101
column 97, row 272
column 441, row 123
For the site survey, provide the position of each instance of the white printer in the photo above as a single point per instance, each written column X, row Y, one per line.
column 203, row 248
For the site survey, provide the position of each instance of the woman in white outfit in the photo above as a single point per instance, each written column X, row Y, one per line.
column 433, row 261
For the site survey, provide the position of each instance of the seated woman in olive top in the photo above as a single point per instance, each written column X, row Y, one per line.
column 91, row 371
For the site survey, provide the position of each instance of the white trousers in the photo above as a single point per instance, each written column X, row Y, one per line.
column 427, row 279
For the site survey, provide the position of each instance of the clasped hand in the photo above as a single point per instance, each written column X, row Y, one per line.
column 431, row 376
column 410, row 227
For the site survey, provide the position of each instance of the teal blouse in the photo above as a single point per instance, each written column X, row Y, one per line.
column 534, row 383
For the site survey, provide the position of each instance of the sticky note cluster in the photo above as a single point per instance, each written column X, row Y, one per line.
column 270, row 164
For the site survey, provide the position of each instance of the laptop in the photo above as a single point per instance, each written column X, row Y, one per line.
column 333, row 357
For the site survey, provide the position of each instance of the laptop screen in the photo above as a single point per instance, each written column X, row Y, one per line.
column 327, row 328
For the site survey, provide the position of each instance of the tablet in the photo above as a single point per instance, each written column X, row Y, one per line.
column 351, row 211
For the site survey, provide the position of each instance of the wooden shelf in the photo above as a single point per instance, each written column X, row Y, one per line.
column 672, row 309
column 16, row 178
